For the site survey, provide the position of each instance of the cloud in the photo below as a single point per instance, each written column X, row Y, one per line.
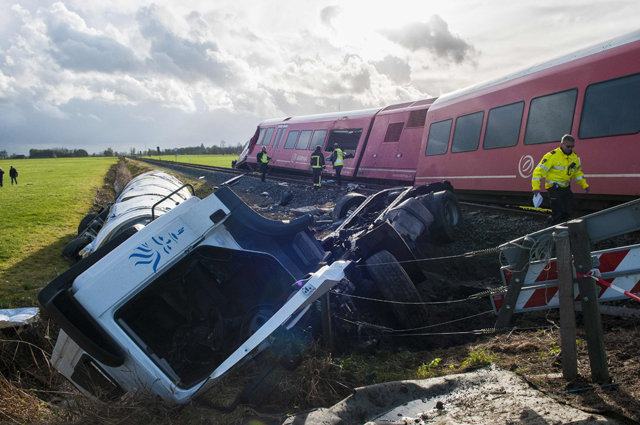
column 189, row 60
column 434, row 37
column 328, row 14
column 49, row 109
column 395, row 68
column 77, row 47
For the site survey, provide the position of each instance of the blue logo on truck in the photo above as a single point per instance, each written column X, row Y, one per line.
column 151, row 252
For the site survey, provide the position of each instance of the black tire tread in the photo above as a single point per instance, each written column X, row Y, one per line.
column 395, row 285
column 72, row 250
column 84, row 223
column 345, row 203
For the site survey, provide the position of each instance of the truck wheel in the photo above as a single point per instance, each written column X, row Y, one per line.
column 72, row 251
column 391, row 279
column 448, row 216
column 347, row 202
column 84, row 223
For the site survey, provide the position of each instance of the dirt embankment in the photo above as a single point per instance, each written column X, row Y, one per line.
column 115, row 179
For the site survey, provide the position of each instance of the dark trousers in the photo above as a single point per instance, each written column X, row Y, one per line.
column 338, row 170
column 317, row 177
column 14, row 179
column 263, row 170
column 561, row 199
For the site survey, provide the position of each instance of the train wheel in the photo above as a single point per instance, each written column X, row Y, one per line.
column 448, row 216
column 347, row 203
column 391, row 279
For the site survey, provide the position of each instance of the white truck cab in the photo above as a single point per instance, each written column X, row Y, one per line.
column 175, row 306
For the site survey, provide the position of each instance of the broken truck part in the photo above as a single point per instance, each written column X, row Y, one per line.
column 173, row 307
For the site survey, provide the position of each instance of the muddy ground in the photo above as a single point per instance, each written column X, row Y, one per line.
column 532, row 352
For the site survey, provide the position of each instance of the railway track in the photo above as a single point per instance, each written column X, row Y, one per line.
column 362, row 188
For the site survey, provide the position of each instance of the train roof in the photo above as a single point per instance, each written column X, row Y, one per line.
column 541, row 66
column 398, row 107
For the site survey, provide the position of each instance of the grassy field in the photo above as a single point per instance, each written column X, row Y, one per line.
column 38, row 217
column 214, row 160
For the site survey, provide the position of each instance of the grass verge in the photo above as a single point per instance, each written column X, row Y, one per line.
column 39, row 216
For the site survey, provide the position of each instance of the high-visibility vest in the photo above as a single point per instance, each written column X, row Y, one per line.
column 264, row 158
column 339, row 157
column 558, row 169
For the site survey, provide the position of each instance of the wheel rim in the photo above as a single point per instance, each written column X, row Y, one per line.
column 451, row 214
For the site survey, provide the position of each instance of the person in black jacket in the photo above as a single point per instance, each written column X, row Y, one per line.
column 1, row 175
column 263, row 160
column 13, row 173
column 317, row 164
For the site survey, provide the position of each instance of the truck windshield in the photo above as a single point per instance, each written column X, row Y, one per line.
column 195, row 315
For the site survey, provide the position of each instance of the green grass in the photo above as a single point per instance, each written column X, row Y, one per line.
column 38, row 217
column 214, row 160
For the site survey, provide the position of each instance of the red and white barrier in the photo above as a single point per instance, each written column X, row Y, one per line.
column 619, row 267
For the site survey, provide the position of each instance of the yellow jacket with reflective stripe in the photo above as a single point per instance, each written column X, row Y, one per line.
column 558, row 168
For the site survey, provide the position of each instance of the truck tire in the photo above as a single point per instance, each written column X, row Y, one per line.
column 84, row 223
column 391, row 279
column 72, row 251
column 447, row 214
column 347, row 202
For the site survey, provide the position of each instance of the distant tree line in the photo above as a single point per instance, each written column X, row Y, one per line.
column 221, row 149
column 58, row 153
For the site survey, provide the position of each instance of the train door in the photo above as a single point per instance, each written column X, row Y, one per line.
column 404, row 161
column 388, row 150
column 372, row 157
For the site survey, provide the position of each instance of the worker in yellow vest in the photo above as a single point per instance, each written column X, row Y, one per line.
column 317, row 164
column 337, row 158
column 558, row 167
column 263, row 160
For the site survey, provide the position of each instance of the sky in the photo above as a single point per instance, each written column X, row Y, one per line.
column 86, row 74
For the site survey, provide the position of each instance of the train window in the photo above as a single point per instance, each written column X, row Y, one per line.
column 267, row 136
column 261, row 136
column 279, row 136
column 438, row 141
column 550, row 117
column 466, row 136
column 277, row 139
column 291, row 139
column 611, row 108
column 318, row 139
column 347, row 139
column 503, row 126
column 303, row 140
column 393, row 132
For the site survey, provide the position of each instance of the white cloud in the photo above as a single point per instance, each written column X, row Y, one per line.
column 49, row 109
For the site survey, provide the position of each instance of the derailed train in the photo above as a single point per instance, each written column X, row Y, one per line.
column 486, row 138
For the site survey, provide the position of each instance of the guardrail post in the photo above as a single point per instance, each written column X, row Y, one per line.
column 567, row 312
column 325, row 312
column 517, row 280
column 581, row 248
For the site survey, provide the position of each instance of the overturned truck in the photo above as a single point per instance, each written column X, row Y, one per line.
column 171, row 305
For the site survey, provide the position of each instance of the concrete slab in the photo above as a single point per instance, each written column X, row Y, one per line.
column 486, row 396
